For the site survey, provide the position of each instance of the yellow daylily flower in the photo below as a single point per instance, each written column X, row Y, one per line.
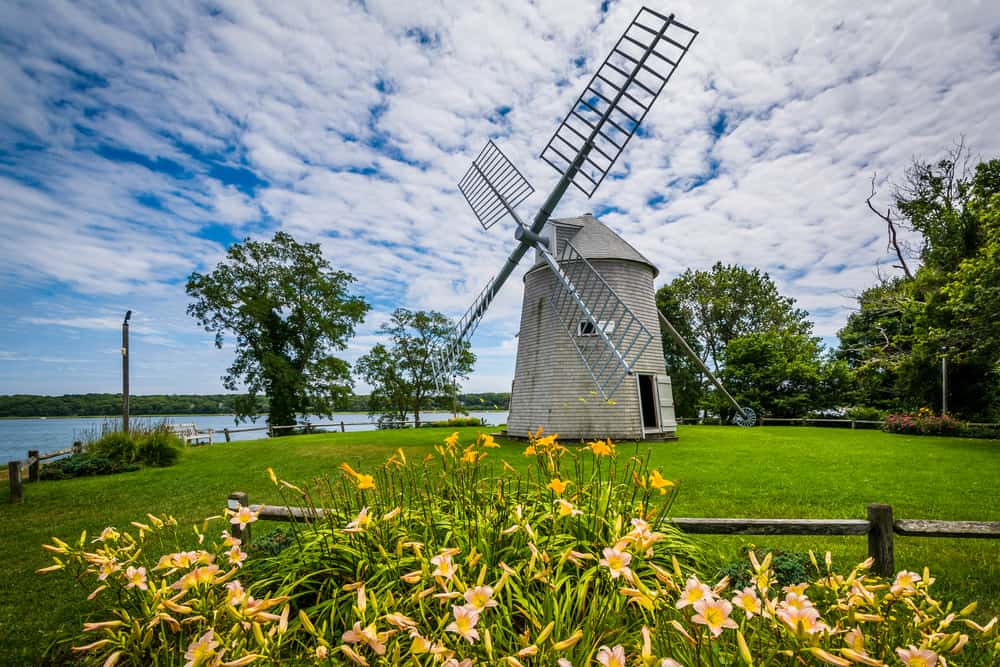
column 558, row 485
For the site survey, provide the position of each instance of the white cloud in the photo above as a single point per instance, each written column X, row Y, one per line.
column 358, row 133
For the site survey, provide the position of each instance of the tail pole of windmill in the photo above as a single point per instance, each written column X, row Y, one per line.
column 583, row 149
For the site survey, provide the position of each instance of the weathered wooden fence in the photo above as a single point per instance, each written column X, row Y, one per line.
column 794, row 421
column 15, row 469
column 309, row 427
column 879, row 527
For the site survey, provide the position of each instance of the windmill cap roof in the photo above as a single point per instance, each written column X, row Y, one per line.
column 595, row 240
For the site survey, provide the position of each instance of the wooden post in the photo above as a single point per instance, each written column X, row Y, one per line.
column 77, row 447
column 32, row 465
column 880, row 539
column 342, row 429
column 16, row 492
column 309, row 428
column 226, row 432
column 852, row 424
column 236, row 499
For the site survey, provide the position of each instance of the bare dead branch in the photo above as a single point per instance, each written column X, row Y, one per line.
column 891, row 224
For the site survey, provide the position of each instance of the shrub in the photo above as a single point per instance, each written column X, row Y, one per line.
column 921, row 422
column 116, row 446
column 571, row 561
column 864, row 413
column 82, row 465
column 790, row 567
column 159, row 448
column 456, row 421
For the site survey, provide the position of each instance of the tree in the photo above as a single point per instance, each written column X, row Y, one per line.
column 895, row 342
column 401, row 375
column 783, row 373
column 712, row 308
column 288, row 311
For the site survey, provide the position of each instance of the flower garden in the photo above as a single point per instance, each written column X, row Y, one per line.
column 475, row 553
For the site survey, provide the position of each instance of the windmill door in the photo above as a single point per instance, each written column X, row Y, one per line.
column 665, row 399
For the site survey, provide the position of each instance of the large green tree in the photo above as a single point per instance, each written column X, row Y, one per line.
column 784, row 373
column 288, row 311
column 947, row 307
column 710, row 309
column 401, row 375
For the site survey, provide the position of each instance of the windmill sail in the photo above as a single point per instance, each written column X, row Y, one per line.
column 493, row 186
column 606, row 333
column 583, row 149
column 617, row 99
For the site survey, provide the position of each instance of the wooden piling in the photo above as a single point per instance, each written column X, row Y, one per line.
column 16, row 490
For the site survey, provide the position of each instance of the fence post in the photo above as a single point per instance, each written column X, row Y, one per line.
column 236, row 499
column 16, row 492
column 32, row 465
column 342, row 429
column 77, row 447
column 226, row 432
column 880, row 539
column 852, row 424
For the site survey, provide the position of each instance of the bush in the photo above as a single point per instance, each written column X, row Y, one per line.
column 116, row 446
column 790, row 567
column 160, row 448
column 449, row 560
column 921, row 422
column 864, row 413
column 82, row 465
column 457, row 421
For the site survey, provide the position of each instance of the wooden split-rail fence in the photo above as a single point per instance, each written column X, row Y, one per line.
column 15, row 469
column 880, row 527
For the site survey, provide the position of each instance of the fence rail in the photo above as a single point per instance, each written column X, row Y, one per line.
column 16, row 468
column 880, row 527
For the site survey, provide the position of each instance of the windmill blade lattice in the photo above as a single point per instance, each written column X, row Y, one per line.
column 615, row 338
column 493, row 186
column 617, row 99
column 445, row 360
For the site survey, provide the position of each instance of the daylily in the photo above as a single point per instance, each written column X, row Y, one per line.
column 470, row 456
column 917, row 657
column 657, row 482
column 465, row 621
column 366, row 635
column 714, row 614
column 243, row 516
column 452, row 440
column 617, row 561
column 202, row 650
column 611, row 657
column 230, row 541
column 480, row 597
column 235, row 594
column 109, row 534
column 444, row 566
column 108, row 567
column 360, row 522
column 136, row 577
column 364, row 482
column 693, row 592
column 566, row 508
column 558, row 486
column 487, row 441
column 601, row 447
column 748, row 601
column 236, row 556
column 904, row 583
column 803, row 620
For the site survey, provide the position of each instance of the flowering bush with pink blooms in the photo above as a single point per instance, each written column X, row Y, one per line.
column 456, row 562
column 921, row 422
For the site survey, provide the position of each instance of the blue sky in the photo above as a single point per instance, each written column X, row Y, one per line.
column 138, row 140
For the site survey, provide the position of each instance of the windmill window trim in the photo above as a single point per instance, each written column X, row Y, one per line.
column 585, row 328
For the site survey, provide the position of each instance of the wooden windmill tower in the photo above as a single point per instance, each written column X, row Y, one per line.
column 589, row 364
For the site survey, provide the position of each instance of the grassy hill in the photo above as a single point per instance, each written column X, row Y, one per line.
column 722, row 472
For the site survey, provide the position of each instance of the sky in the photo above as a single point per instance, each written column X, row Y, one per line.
column 139, row 140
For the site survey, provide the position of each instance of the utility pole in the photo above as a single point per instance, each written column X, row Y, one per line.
column 944, row 381
column 128, row 314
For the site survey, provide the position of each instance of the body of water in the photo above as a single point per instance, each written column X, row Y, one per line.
column 17, row 436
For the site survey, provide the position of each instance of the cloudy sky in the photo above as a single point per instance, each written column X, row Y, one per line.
column 137, row 141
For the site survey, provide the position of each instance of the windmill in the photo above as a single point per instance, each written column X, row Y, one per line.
column 575, row 354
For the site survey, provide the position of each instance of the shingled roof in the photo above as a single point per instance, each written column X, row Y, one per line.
column 594, row 240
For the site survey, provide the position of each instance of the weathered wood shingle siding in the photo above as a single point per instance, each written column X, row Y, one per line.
column 552, row 387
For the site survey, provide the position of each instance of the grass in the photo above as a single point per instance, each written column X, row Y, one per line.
column 794, row 472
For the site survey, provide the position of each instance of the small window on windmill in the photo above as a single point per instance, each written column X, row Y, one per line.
column 586, row 327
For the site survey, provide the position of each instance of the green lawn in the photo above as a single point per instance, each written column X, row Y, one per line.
column 722, row 471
